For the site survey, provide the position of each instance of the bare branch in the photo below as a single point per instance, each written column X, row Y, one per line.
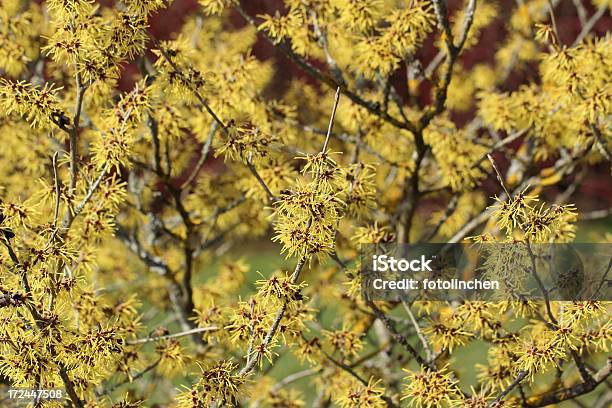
column 419, row 333
column 173, row 336
column 331, row 121
column 551, row 12
column 586, row 29
column 452, row 55
column 450, row 209
column 521, row 376
column 271, row 197
column 295, row 377
column 80, row 90
column 582, row 14
column 577, row 390
column 57, row 190
column 203, row 155
column 398, row 336
column 201, row 99
column 498, row 175
column 602, row 142
column 79, row 208
column 595, row 215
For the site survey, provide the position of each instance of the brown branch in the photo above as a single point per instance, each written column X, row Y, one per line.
column 520, row 377
column 57, row 190
column 411, row 194
column 154, row 128
column 130, row 379
column 354, row 374
column 271, row 197
column 81, row 88
column 407, row 209
column 577, row 390
column 450, row 209
column 223, row 127
column 398, row 336
column 602, row 142
column 453, row 51
column 441, row 12
column 203, row 156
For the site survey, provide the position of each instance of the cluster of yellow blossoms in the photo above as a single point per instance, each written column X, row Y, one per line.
column 193, row 240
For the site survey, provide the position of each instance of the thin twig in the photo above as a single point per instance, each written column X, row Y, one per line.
column 271, row 197
column 398, row 336
column 203, row 155
column 91, row 190
column 498, row 174
column 595, row 215
column 322, row 40
column 331, row 120
column 602, row 142
column 294, row 377
column 450, row 209
column 252, row 334
column 173, row 336
column 136, row 376
column 417, row 328
column 520, row 377
column 224, row 128
column 202, row 101
column 534, row 272
column 577, row 390
column 75, row 130
column 586, row 29
column 453, row 51
column 582, row 14
column 554, row 21
column 57, row 190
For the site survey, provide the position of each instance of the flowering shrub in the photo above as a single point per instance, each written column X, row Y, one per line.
column 115, row 204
